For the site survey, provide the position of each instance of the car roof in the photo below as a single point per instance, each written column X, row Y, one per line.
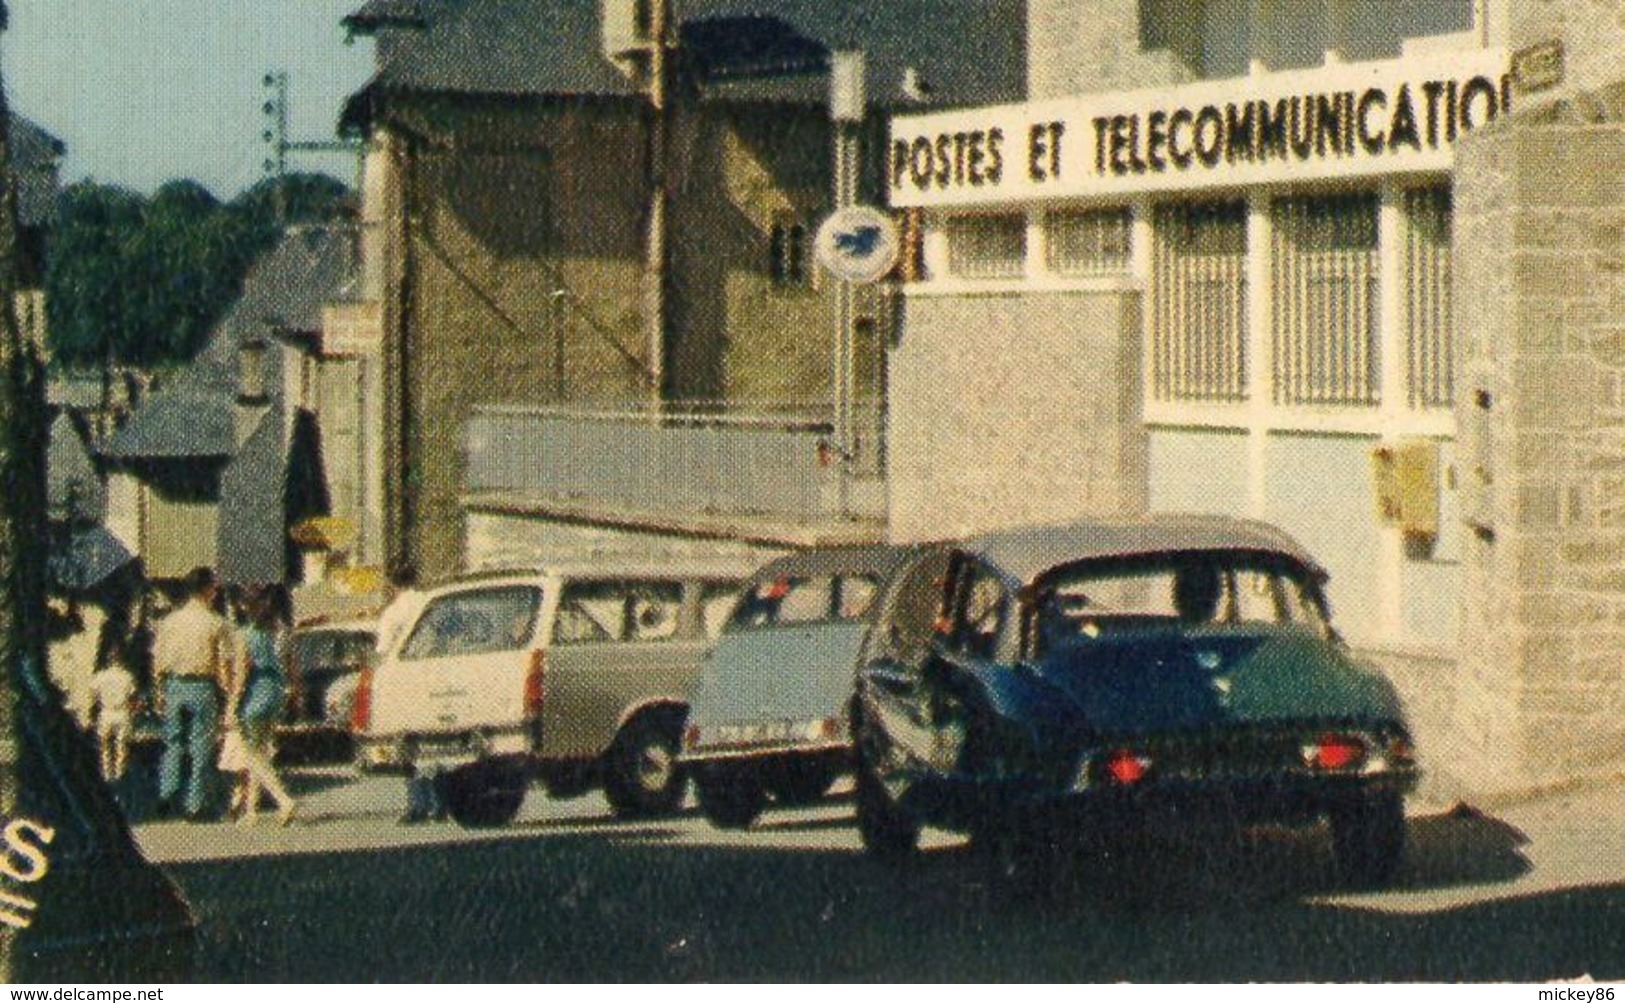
column 1022, row 555
column 675, row 569
column 354, row 626
column 879, row 559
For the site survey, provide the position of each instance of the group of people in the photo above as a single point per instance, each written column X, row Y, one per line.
column 216, row 682
column 220, row 691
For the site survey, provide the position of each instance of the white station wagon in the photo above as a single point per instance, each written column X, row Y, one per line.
column 577, row 675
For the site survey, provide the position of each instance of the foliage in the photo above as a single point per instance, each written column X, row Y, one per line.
column 145, row 278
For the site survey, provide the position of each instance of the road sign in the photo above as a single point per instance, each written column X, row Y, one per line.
column 858, row 244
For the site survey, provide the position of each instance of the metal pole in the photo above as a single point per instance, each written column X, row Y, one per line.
column 846, row 117
column 656, row 239
column 558, row 345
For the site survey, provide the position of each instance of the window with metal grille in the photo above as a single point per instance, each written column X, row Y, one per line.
column 1324, row 300
column 1429, row 340
column 1199, row 302
column 1088, row 241
column 787, row 253
column 987, row 247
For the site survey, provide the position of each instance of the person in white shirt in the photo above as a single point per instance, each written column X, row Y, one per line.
column 113, row 695
column 194, row 658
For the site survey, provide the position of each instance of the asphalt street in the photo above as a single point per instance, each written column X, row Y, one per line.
column 1531, row 893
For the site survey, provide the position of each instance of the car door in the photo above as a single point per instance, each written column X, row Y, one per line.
column 463, row 664
column 896, row 729
column 618, row 644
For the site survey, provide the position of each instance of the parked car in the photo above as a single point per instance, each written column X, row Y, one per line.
column 80, row 900
column 1041, row 684
column 770, row 712
column 323, row 661
column 577, row 675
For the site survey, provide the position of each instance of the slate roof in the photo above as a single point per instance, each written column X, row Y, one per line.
column 35, row 154
column 967, row 51
column 382, row 13
column 194, row 416
column 74, row 491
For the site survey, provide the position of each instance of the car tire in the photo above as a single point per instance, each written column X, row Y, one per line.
column 482, row 796
column 642, row 777
column 886, row 832
column 732, row 797
column 1368, row 838
column 799, row 782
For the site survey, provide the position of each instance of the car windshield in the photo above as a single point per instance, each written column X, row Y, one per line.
column 1187, row 590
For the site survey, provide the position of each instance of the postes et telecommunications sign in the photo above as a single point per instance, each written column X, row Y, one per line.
column 1346, row 120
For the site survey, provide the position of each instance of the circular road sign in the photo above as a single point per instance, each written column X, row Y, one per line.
column 858, row 243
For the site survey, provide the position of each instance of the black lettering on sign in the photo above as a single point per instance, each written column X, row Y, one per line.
column 1180, row 157
column 1272, row 124
column 995, row 156
column 1157, row 140
column 1371, row 142
column 1478, row 87
column 1209, row 136
column 1238, row 127
column 1432, row 90
column 1402, row 128
column 919, row 163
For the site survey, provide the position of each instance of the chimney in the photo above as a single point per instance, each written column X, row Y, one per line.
column 252, row 400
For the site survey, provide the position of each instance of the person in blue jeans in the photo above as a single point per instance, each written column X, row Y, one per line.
column 194, row 655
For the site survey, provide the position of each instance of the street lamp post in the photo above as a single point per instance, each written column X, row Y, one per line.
column 846, row 112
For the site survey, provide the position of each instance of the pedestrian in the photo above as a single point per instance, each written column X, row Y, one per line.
column 72, row 630
column 194, row 657
column 112, row 694
column 258, row 703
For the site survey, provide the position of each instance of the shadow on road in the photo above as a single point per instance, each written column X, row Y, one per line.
column 591, row 906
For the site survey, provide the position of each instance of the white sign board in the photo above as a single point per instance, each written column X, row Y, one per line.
column 1346, row 120
column 857, row 244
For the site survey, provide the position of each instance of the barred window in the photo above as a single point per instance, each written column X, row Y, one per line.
column 987, row 247
column 1325, row 300
column 1199, row 302
column 1089, row 241
column 1429, row 340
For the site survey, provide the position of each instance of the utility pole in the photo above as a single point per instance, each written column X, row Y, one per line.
column 22, row 503
column 276, row 110
column 656, row 241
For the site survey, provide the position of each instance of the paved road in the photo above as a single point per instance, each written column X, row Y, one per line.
column 1535, row 893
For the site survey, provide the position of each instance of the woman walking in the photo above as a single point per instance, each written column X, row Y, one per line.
column 260, row 702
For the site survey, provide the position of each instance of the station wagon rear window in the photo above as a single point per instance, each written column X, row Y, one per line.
column 475, row 622
column 610, row 611
column 819, row 599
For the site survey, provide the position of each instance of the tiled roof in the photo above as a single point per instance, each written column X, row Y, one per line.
column 285, row 290
column 966, row 51
column 34, row 155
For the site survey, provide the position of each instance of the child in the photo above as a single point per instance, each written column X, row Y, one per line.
column 112, row 693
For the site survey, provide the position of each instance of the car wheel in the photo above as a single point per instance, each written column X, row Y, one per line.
column 642, row 777
column 1368, row 837
column 799, row 782
column 481, row 796
column 731, row 796
column 886, row 832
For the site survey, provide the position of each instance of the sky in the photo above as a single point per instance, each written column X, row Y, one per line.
column 144, row 91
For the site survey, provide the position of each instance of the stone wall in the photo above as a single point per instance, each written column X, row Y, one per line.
column 1087, row 46
column 1014, row 409
column 1540, row 320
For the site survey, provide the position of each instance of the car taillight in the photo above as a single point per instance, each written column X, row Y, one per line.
column 535, row 684
column 361, row 711
column 1334, row 752
column 1126, row 766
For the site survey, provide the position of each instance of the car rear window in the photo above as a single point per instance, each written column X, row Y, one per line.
column 475, row 622
column 800, row 600
column 599, row 612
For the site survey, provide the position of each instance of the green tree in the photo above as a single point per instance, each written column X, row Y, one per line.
column 143, row 280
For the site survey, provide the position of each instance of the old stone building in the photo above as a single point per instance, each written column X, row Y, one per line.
column 1350, row 267
column 548, row 385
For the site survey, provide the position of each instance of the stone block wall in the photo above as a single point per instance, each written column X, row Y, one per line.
column 1038, row 423
column 1087, row 46
column 1540, row 300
